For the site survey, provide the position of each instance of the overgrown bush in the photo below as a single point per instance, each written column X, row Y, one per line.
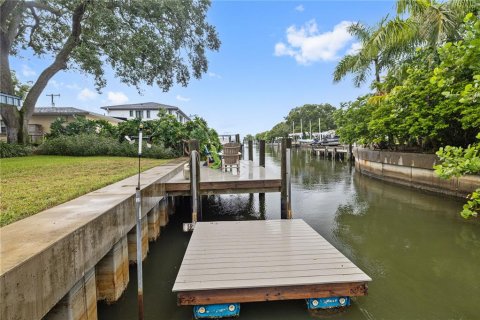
column 95, row 145
column 10, row 150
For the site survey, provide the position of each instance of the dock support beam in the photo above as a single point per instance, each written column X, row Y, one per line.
column 163, row 212
column 111, row 273
column 132, row 242
column 79, row 303
column 153, row 218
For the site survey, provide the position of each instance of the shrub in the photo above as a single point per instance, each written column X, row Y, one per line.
column 95, row 145
column 10, row 150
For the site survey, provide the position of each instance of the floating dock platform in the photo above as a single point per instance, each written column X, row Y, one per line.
column 231, row 262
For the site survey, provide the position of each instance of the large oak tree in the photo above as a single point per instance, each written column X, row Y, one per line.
column 145, row 42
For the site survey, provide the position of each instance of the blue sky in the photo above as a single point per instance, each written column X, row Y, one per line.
column 275, row 55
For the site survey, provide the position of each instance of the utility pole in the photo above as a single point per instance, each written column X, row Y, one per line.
column 310, row 129
column 52, row 96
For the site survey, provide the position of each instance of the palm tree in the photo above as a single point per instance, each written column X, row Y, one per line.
column 428, row 23
column 370, row 56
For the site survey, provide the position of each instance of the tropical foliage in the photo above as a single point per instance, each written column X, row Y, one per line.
column 101, row 138
column 431, row 100
column 456, row 162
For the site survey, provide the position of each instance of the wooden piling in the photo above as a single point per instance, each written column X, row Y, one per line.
column 283, row 177
column 261, row 161
column 195, row 180
column 250, row 150
column 289, row 178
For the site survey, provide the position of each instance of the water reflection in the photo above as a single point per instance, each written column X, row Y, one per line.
column 424, row 259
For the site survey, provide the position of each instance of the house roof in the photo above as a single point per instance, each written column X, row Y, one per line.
column 140, row 106
column 69, row 111
column 145, row 106
column 61, row 111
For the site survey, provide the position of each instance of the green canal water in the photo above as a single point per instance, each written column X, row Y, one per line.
column 423, row 258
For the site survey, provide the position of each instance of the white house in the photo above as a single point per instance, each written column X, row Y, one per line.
column 146, row 111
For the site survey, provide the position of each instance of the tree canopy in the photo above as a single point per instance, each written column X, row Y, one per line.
column 428, row 101
column 144, row 42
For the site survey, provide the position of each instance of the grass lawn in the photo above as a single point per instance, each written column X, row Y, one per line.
column 32, row 184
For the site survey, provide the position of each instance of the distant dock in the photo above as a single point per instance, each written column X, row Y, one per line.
column 227, row 263
column 252, row 178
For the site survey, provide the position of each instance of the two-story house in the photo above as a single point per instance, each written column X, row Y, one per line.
column 146, row 111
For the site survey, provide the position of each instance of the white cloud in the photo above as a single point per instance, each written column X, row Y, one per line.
column 354, row 48
column 214, row 75
column 300, row 8
column 57, row 84
column 73, row 86
column 87, row 94
column 180, row 98
column 117, row 97
column 307, row 44
column 27, row 71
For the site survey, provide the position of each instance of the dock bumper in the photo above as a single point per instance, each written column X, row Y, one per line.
column 215, row 311
column 327, row 303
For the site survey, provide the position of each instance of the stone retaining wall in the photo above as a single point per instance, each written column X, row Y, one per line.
column 412, row 169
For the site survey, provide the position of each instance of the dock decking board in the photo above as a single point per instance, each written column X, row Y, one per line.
column 252, row 177
column 283, row 258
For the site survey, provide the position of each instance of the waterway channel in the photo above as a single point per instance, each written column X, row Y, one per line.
column 423, row 258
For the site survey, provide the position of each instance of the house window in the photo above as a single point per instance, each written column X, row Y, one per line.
column 148, row 114
column 3, row 128
column 139, row 114
column 131, row 113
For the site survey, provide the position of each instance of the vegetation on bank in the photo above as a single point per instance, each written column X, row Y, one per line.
column 428, row 100
column 457, row 161
column 426, row 97
column 35, row 183
column 10, row 150
column 84, row 137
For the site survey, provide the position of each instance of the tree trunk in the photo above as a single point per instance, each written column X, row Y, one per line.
column 9, row 22
column 377, row 70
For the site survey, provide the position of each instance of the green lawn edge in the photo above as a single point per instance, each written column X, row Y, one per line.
column 32, row 184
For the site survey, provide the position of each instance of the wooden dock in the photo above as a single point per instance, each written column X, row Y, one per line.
column 247, row 261
column 252, row 178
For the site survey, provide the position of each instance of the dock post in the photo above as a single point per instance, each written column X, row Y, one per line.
column 289, row 178
column 285, row 206
column 250, row 150
column 261, row 161
column 283, row 177
column 195, row 185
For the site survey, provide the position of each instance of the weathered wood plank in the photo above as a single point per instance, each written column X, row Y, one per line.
column 271, row 293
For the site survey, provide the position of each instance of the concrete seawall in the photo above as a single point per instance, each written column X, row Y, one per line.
column 59, row 262
column 412, row 169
